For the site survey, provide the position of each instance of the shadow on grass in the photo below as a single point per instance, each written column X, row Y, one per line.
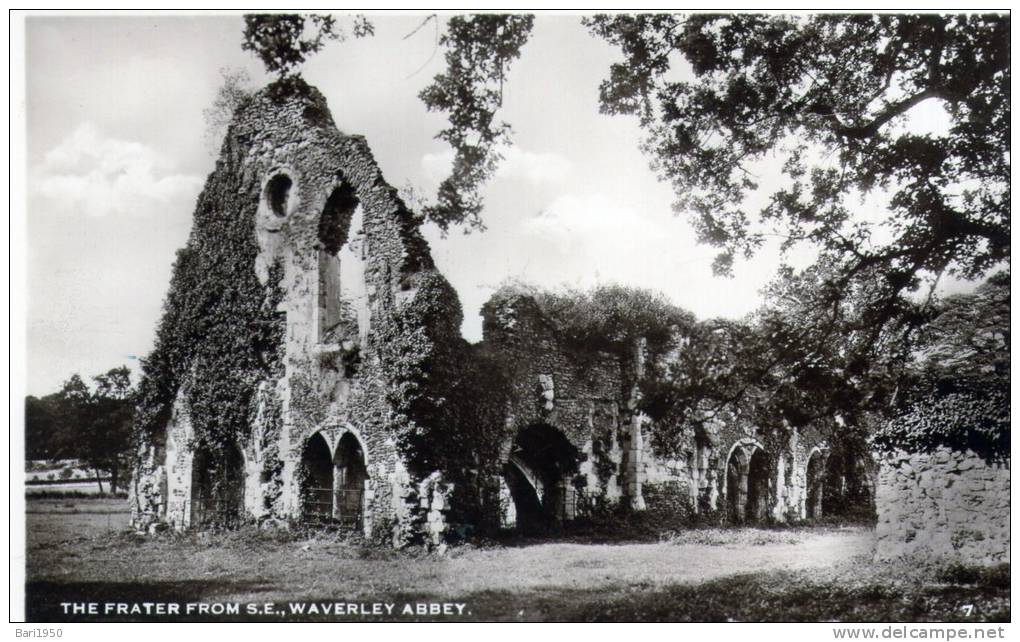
column 786, row 596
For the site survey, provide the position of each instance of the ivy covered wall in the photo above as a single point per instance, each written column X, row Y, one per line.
column 243, row 350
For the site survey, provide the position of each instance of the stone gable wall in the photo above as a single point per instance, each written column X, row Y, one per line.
column 287, row 130
column 299, row 138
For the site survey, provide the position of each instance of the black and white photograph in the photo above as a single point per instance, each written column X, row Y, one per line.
column 507, row 315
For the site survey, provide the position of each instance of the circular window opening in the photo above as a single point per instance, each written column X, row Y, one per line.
column 277, row 192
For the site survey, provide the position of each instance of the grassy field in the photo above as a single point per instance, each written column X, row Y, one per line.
column 79, row 551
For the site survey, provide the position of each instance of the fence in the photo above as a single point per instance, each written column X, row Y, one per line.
column 341, row 507
column 574, row 504
column 217, row 512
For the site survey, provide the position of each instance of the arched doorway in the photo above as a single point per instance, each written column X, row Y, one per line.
column 217, row 487
column 735, row 489
column 815, row 473
column 747, row 484
column 846, row 483
column 538, row 474
column 350, row 475
column 316, row 480
column 834, row 495
column 525, row 496
column 757, row 487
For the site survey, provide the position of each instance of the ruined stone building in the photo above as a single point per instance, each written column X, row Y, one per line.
column 339, row 274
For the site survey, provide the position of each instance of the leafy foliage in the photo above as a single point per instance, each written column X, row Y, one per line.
column 44, row 430
column 82, row 423
column 957, row 392
column 479, row 51
column 808, row 356
column 447, row 397
column 435, row 381
column 284, row 41
column 829, row 94
column 612, row 317
column 960, row 421
column 234, row 91
column 833, row 97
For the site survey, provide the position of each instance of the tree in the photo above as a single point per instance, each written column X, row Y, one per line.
column 956, row 390
column 95, row 425
column 107, row 435
column 802, row 359
column 479, row 50
column 44, row 437
column 829, row 94
column 284, row 41
column 72, row 405
column 720, row 95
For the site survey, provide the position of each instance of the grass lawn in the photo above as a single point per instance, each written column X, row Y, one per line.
column 79, row 551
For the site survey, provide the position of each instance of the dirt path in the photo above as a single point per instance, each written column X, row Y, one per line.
column 590, row 565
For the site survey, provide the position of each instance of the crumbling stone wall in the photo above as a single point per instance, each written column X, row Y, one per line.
column 591, row 397
column 578, row 393
column 306, row 186
column 322, row 391
column 699, row 473
column 947, row 504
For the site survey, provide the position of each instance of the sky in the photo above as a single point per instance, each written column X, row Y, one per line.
column 117, row 154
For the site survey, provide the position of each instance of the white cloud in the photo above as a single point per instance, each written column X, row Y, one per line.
column 594, row 222
column 535, row 167
column 594, row 239
column 437, row 166
column 99, row 176
column 520, row 164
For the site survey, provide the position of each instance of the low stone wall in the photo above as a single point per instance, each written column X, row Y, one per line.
column 946, row 504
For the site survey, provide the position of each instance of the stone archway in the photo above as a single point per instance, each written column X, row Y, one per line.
column 815, row 474
column 846, row 483
column 736, row 486
column 525, row 495
column 350, row 473
column 748, row 491
column 757, row 508
column 538, row 474
column 316, row 480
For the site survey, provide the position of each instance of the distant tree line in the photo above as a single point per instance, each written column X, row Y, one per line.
column 91, row 424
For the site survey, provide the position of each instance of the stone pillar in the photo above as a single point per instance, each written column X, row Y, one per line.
column 434, row 496
column 779, row 510
column 742, row 478
column 633, row 461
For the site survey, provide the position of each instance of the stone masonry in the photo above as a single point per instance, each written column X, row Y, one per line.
column 947, row 504
column 351, row 257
